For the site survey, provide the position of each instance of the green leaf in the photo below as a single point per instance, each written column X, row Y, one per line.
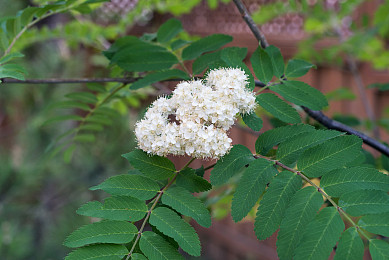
column 156, row 248
column 170, row 224
column 251, row 186
column 274, row 203
column 155, row 167
column 230, row 163
column 252, row 121
column 269, row 139
column 10, row 57
column 136, row 186
column 96, row 87
column 109, row 231
column 91, row 127
column 62, row 118
column 98, row 119
column 289, row 151
column 159, row 76
column 278, row 108
column 136, row 256
column 262, row 65
column 209, row 43
column 320, row 236
column 377, row 224
column 305, row 204
column 85, row 138
column 361, row 202
column 178, row 44
column 4, row 73
column 332, row 154
column 205, row 61
column 277, row 60
column 70, row 104
column 301, row 94
column 86, row 97
column 233, row 56
column 350, row 246
column 297, row 68
column 124, row 208
column 169, row 30
column 185, row 203
column 106, row 111
column 192, row 182
column 379, row 249
column 340, row 181
column 98, row 252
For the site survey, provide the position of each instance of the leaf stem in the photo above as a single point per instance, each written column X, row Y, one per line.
column 155, row 202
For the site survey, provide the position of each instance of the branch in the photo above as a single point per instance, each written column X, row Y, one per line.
column 317, row 115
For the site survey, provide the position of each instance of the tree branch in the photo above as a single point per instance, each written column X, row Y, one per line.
column 317, row 115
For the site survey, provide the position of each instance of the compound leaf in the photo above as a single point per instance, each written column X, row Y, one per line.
column 155, row 247
column 350, row 246
column 361, row 202
column 377, row 224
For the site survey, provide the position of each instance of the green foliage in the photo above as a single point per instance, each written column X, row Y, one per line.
column 98, row 252
column 297, row 68
column 210, row 43
column 377, row 224
column 306, row 203
column 320, row 235
column 361, row 202
column 350, row 246
column 253, row 121
column 262, row 65
column 278, row 108
column 379, row 249
column 169, row 30
column 277, row 60
column 192, row 182
column 274, row 203
column 155, row 247
column 170, row 224
column 159, row 76
column 250, row 187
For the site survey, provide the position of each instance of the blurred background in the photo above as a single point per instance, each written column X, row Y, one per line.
column 41, row 190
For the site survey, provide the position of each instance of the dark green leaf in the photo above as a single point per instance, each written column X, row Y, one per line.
column 209, row 43
column 305, row 204
column 379, row 249
column 86, row 97
column 178, row 44
column 233, row 56
column 332, row 154
column 262, row 65
column 70, row 104
column 350, row 246
column 116, row 232
column 63, row 118
column 155, row 167
column 251, row 186
column 169, row 30
column 159, row 76
column 185, row 203
column 156, row 248
column 253, row 121
column 380, row 86
column 297, row 68
column 301, row 94
column 274, row 203
column 377, row 224
column 136, row 186
column 320, row 235
column 229, row 164
column 276, row 59
column 361, row 202
column 144, row 60
column 270, row 138
column 97, row 87
column 91, row 127
column 278, row 108
column 98, row 252
column 192, row 182
column 170, row 224
column 136, row 256
column 205, row 61
column 85, row 138
column 341, row 181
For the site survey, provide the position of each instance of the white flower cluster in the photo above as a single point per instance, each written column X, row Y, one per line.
column 204, row 111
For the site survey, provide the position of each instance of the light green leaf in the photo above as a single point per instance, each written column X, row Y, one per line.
column 297, row 68
column 229, row 164
column 301, row 94
column 278, row 108
column 157, row 248
column 289, row 151
column 377, row 224
column 276, row 59
column 169, row 30
column 340, row 181
column 305, row 204
column 98, row 252
column 91, row 127
column 332, row 154
column 251, row 186
column 253, row 121
column 170, row 224
column 11, row 74
column 274, row 203
column 159, row 76
column 86, row 97
column 155, row 167
column 320, row 236
column 361, row 202
column 136, row 186
column 270, row 138
column 191, row 181
column 185, row 203
column 84, row 138
column 350, row 246
column 379, row 249
column 262, row 65
column 10, row 57
column 109, row 231
column 209, row 43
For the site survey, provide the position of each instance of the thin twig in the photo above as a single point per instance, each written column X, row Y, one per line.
column 319, row 116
